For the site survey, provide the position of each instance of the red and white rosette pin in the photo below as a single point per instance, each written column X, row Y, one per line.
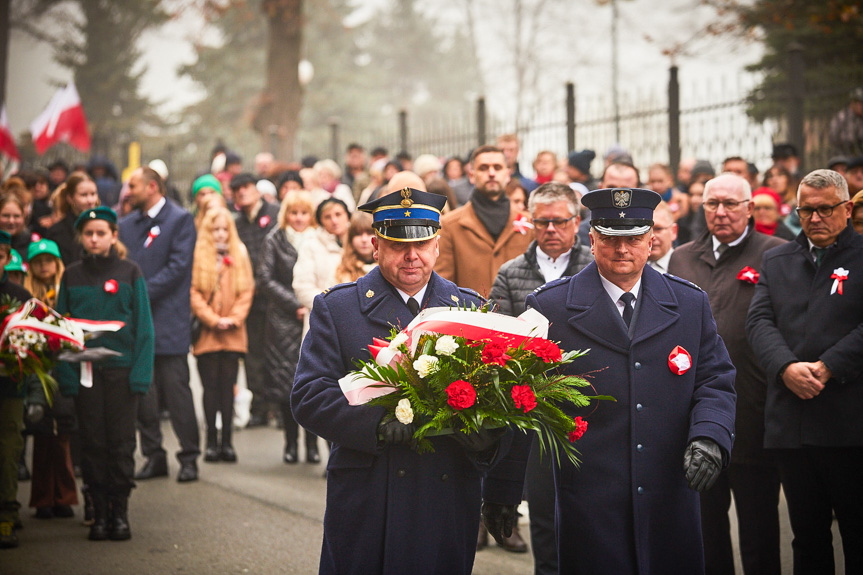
column 152, row 235
column 748, row 275
column 264, row 221
column 679, row 360
column 522, row 224
column 111, row 286
column 839, row 276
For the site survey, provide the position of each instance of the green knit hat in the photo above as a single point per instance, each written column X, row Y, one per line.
column 43, row 247
column 98, row 213
column 206, row 181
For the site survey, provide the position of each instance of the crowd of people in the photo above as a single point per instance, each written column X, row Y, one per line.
column 238, row 277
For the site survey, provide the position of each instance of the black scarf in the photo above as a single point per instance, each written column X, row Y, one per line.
column 493, row 214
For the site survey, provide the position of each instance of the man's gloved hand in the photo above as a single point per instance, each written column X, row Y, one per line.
column 35, row 413
column 481, row 440
column 499, row 519
column 392, row 431
column 702, row 463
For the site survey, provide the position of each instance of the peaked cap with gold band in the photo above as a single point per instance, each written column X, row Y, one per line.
column 407, row 215
column 621, row 211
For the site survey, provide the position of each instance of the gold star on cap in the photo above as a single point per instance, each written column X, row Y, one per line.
column 454, row 298
column 370, row 294
column 407, row 214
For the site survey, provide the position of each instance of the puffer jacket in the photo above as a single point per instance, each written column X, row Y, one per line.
column 520, row 276
column 283, row 332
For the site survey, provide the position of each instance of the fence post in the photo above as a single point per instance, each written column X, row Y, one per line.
column 480, row 122
column 403, row 130
column 334, row 139
column 673, row 120
column 796, row 90
column 570, row 117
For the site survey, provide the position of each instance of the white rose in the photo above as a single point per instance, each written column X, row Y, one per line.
column 398, row 340
column 404, row 413
column 425, row 364
column 446, row 345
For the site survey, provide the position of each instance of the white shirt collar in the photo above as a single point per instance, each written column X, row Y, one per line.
column 661, row 265
column 717, row 243
column 615, row 292
column 154, row 211
column 552, row 269
column 417, row 296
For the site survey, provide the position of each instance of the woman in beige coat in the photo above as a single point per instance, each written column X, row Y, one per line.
column 222, row 290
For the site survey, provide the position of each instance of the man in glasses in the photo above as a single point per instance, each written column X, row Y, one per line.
column 557, row 252
column 806, row 324
column 725, row 261
column 632, row 506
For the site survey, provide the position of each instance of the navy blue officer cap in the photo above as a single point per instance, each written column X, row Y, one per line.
column 621, row 211
column 407, row 215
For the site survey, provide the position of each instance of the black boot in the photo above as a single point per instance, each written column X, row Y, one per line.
column 119, row 527
column 211, row 453
column 291, row 434
column 89, row 513
column 99, row 528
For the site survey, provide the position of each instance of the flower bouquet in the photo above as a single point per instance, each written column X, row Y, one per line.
column 33, row 337
column 470, row 368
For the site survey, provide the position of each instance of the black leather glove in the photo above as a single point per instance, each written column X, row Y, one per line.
column 499, row 519
column 481, row 440
column 392, row 431
column 35, row 413
column 702, row 462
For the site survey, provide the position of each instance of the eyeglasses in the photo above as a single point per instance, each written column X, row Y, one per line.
column 541, row 223
column 729, row 205
column 823, row 211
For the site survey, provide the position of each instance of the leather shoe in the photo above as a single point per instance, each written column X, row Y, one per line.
column 228, row 454
column 44, row 513
column 312, row 455
column 63, row 511
column 155, row 467
column 188, row 472
column 482, row 538
column 290, row 454
column 514, row 543
column 211, row 454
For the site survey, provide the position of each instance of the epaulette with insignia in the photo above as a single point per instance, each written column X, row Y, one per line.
column 682, row 281
column 552, row 283
column 471, row 292
column 337, row 287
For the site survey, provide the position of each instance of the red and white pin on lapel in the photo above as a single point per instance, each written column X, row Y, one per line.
column 522, row 224
column 839, row 276
column 152, row 235
column 679, row 360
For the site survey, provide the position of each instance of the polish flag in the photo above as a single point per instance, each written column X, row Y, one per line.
column 62, row 121
column 7, row 142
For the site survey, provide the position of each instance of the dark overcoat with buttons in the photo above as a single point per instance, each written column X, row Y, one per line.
column 389, row 509
column 628, row 508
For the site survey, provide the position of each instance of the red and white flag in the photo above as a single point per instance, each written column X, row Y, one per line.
column 7, row 142
column 62, row 121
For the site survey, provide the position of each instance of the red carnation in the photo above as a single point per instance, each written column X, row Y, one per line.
column 111, row 286
column 523, row 397
column 460, row 395
column 544, row 349
column 39, row 312
column 494, row 353
column 54, row 344
column 580, row 428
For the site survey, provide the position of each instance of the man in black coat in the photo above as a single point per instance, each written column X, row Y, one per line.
column 389, row 509
column 806, row 324
column 255, row 218
column 725, row 262
column 557, row 252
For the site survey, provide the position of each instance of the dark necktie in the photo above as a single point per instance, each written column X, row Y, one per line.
column 627, row 300
column 819, row 255
column 721, row 249
column 413, row 305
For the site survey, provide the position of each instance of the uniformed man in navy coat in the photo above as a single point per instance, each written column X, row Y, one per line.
column 633, row 505
column 389, row 509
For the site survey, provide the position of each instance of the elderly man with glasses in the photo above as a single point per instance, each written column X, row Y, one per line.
column 556, row 252
column 725, row 262
column 806, row 323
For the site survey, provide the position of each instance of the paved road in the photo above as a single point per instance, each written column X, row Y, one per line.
column 258, row 516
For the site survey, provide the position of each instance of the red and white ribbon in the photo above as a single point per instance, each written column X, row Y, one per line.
column 522, row 224
column 679, row 360
column 152, row 235
column 839, row 276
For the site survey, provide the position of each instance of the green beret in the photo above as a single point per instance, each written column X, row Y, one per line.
column 206, row 181
column 43, row 247
column 98, row 213
column 5, row 238
column 16, row 264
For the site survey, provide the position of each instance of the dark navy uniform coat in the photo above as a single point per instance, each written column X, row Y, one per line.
column 389, row 509
column 628, row 508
